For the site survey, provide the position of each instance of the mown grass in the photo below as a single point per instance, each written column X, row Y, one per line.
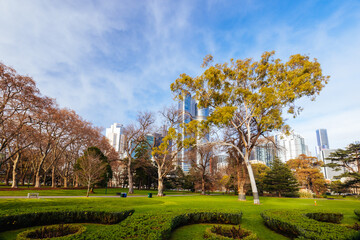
column 251, row 213
column 47, row 191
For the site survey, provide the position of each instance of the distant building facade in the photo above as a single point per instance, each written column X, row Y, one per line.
column 290, row 146
column 190, row 111
column 115, row 135
column 322, row 139
column 264, row 151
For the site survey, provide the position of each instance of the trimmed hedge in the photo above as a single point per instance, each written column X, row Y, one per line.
column 210, row 233
column 357, row 213
column 159, row 226
column 49, row 218
column 78, row 228
column 308, row 224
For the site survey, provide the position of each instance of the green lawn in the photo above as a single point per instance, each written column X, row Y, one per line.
column 251, row 213
column 47, row 191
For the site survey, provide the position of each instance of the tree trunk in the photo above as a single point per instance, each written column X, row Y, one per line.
column 7, row 176
column 37, row 179
column 160, row 184
column 65, row 182
column 23, row 180
column 130, row 178
column 14, row 178
column 88, row 189
column 252, row 179
column 76, row 181
column 241, row 182
column 53, row 184
column 203, row 185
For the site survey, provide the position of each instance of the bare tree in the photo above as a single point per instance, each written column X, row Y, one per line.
column 91, row 168
column 135, row 134
column 201, row 157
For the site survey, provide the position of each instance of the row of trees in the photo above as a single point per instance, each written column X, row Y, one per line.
column 39, row 139
column 247, row 100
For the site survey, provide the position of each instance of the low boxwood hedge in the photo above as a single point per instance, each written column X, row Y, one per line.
column 211, row 233
column 308, row 224
column 49, row 218
column 159, row 226
column 77, row 229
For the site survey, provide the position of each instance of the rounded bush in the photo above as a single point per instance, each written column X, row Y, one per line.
column 317, row 225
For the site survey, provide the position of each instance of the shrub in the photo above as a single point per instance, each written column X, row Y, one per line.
column 52, row 232
column 229, row 232
column 48, row 218
column 309, row 225
column 305, row 194
column 160, row 226
column 357, row 213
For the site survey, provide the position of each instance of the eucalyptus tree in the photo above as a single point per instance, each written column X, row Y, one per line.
column 253, row 96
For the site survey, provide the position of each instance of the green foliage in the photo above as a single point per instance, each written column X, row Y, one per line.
column 280, row 180
column 349, row 159
column 9, row 222
column 159, row 226
column 265, row 87
column 260, row 171
column 338, row 187
column 357, row 213
column 229, row 232
column 317, row 225
column 61, row 232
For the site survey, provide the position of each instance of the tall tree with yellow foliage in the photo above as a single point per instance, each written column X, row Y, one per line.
column 252, row 97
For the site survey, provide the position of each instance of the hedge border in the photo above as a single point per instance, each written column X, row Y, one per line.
column 160, row 226
column 309, row 224
column 12, row 222
column 23, row 235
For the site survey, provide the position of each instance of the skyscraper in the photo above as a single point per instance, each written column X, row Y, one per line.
column 115, row 135
column 190, row 111
column 322, row 139
column 290, row 146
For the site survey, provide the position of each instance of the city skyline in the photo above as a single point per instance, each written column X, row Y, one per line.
column 109, row 60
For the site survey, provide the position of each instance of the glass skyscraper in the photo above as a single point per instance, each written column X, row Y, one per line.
column 190, row 111
column 322, row 139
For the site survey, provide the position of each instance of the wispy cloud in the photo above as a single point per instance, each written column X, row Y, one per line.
column 109, row 59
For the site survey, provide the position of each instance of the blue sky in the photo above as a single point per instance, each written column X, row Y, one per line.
column 109, row 59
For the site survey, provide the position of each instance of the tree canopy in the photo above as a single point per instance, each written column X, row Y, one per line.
column 348, row 159
column 252, row 97
column 307, row 172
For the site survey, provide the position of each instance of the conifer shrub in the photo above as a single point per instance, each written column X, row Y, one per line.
column 302, row 224
column 11, row 222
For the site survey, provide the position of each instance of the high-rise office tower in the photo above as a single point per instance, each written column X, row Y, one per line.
column 291, row 146
column 264, row 151
column 190, row 111
column 322, row 139
column 115, row 135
